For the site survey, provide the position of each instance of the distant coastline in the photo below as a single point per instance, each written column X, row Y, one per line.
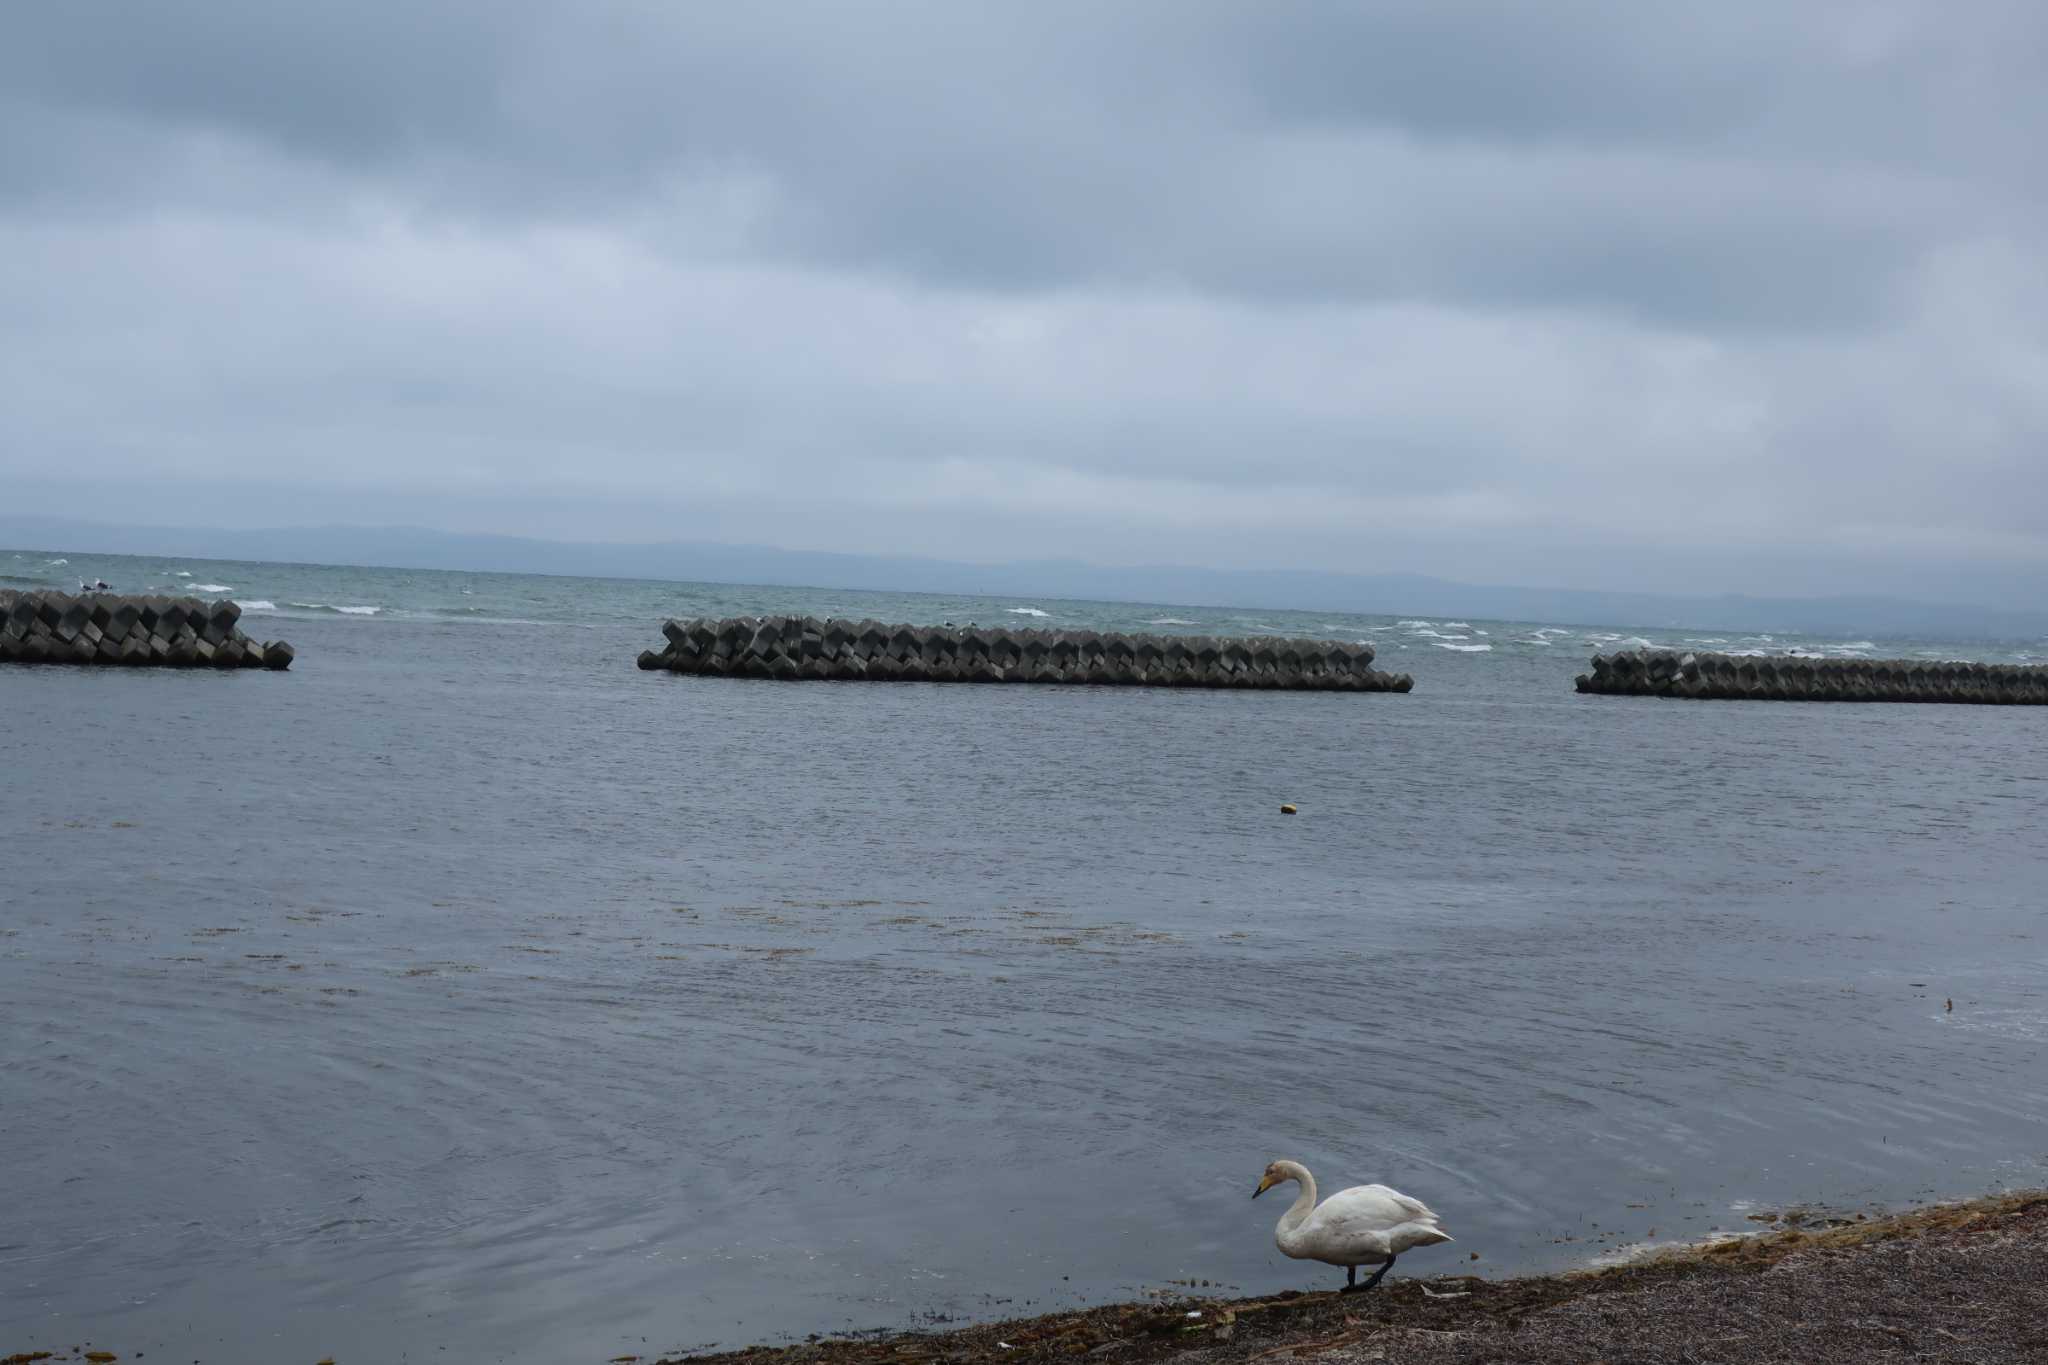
column 397, row 547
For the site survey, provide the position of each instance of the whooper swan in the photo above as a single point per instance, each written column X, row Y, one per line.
column 1364, row 1225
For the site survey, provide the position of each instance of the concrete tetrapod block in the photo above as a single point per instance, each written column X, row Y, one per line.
column 21, row 616
column 792, row 647
column 1708, row 676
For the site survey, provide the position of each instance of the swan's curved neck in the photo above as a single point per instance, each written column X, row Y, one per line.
column 1304, row 1202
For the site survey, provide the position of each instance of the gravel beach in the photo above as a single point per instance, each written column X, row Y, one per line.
column 1954, row 1282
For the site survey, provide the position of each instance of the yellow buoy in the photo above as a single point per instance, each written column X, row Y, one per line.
column 1287, row 810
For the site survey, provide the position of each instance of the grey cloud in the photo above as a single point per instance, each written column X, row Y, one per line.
column 1491, row 280
column 1645, row 161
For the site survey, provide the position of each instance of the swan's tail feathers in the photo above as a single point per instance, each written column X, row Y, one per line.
column 1411, row 1235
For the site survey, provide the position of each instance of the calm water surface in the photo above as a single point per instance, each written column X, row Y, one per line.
column 467, row 988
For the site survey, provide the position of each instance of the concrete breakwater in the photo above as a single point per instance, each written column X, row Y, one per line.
column 803, row 647
column 105, row 628
column 1732, row 677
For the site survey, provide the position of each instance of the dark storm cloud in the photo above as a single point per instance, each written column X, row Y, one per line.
column 1748, row 164
column 1469, row 271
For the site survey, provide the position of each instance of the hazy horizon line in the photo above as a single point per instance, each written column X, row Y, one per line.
column 1086, row 581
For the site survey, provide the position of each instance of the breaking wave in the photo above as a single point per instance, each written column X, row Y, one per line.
column 328, row 606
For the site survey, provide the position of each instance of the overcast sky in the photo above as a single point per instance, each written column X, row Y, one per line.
column 1732, row 296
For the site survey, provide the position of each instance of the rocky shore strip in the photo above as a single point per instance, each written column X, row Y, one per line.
column 107, row 628
column 1706, row 676
column 804, row 647
column 1949, row 1283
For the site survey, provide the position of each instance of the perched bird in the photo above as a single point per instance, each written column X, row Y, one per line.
column 1364, row 1225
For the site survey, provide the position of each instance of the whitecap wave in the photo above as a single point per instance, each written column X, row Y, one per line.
column 329, row 606
column 53, row 563
column 1026, row 611
column 211, row 587
column 1457, row 625
column 1169, row 621
column 181, row 574
column 259, row 604
column 1464, row 649
column 1414, row 623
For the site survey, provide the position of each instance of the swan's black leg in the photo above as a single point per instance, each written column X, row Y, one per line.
column 1377, row 1275
column 1351, row 1277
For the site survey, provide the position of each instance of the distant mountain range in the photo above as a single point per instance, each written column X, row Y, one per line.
column 1390, row 594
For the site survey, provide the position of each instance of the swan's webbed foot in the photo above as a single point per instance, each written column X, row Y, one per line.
column 1377, row 1276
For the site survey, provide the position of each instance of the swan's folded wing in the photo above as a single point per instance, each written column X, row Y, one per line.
column 1410, row 1208
column 1364, row 1210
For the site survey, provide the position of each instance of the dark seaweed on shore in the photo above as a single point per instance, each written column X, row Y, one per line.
column 1961, row 1282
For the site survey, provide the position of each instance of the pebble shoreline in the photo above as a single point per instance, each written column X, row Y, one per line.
column 1954, row 1282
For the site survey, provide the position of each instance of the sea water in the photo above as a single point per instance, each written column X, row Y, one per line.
column 467, row 988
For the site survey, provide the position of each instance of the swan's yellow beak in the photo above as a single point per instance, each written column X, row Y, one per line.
column 1265, row 1183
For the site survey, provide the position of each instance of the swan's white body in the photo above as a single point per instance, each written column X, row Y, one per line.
column 1364, row 1225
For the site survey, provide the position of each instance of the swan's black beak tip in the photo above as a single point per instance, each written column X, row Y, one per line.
column 1259, row 1191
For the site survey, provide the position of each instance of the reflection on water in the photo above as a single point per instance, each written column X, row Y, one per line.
column 471, row 988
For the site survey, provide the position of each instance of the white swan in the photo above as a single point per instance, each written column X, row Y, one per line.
column 1364, row 1225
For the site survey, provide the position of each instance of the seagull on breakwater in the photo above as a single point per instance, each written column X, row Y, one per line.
column 1364, row 1225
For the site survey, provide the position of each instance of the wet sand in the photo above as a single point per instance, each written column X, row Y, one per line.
column 1955, row 1282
